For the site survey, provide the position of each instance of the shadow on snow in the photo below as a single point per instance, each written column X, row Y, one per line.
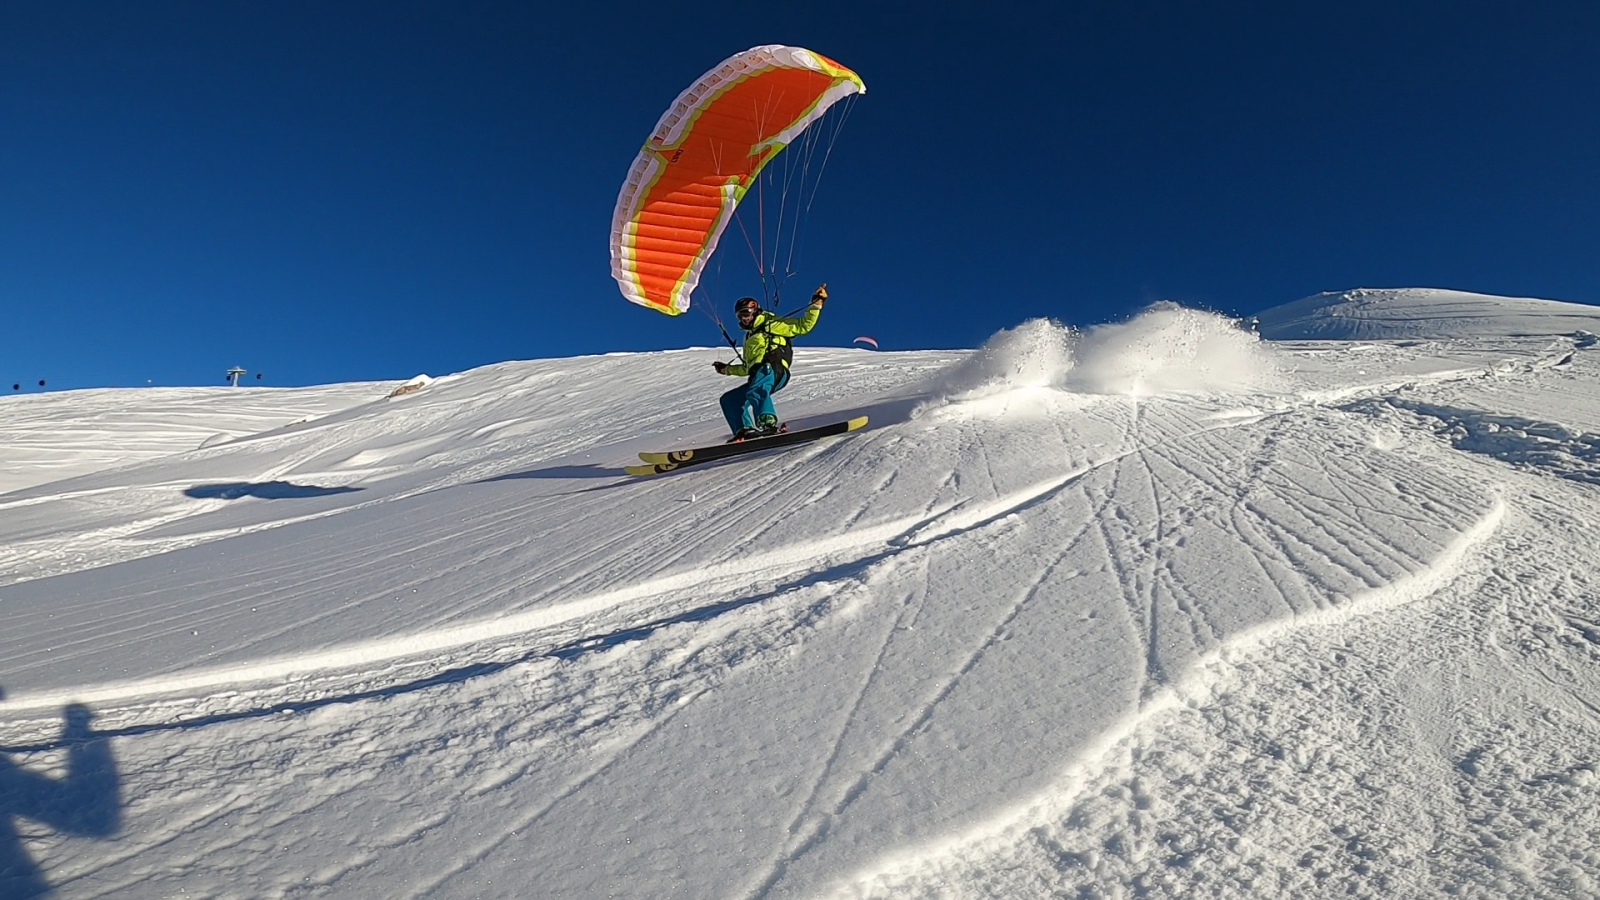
column 266, row 490
column 86, row 800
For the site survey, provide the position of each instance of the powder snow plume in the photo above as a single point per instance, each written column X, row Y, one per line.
column 1035, row 354
column 1166, row 349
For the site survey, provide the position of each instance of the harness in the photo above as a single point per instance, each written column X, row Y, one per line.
column 780, row 350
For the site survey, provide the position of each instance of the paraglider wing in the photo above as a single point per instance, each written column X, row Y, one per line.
column 866, row 340
column 704, row 154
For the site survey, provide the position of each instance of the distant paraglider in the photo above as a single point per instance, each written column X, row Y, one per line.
column 868, row 341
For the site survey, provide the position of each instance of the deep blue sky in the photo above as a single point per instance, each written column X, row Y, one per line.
column 337, row 191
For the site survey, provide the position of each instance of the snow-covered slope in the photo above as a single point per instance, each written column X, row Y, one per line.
column 1154, row 610
column 49, row 437
column 1424, row 313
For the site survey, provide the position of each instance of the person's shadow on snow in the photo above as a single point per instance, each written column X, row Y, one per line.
column 85, row 801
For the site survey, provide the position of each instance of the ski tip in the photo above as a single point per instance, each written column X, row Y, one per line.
column 856, row 424
column 674, row 456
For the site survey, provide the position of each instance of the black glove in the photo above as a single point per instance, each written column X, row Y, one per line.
column 721, row 367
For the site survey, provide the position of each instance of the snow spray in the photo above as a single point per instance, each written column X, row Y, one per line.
column 1168, row 349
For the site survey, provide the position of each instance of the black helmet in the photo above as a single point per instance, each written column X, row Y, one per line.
column 745, row 303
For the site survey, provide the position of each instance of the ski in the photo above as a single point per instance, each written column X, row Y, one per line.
column 677, row 459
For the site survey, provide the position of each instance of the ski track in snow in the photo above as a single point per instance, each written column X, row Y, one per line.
column 1199, row 793
column 1195, row 689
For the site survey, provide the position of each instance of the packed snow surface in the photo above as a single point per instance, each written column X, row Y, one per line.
column 1395, row 314
column 1153, row 609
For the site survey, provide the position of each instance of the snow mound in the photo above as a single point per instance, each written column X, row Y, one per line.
column 1421, row 313
column 411, row 387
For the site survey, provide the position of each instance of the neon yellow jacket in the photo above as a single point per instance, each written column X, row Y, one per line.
column 770, row 334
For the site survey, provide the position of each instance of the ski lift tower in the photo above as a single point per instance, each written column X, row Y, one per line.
column 234, row 374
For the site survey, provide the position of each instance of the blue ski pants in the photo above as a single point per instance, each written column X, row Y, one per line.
column 745, row 404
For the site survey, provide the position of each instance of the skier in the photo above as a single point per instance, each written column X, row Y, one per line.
column 766, row 357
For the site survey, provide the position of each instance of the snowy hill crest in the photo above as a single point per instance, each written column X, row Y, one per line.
column 1422, row 313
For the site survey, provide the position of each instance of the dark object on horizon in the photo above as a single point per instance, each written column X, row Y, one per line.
column 258, row 376
column 16, row 387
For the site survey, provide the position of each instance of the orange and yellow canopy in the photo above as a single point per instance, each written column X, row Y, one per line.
column 703, row 155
